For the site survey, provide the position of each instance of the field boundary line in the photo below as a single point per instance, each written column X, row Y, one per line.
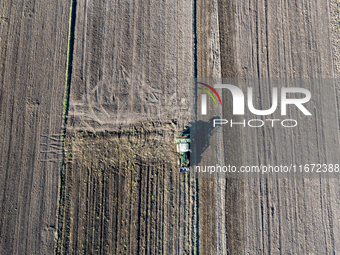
column 60, row 202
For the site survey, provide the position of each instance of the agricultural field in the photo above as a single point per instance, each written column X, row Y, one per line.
column 130, row 63
column 33, row 50
column 130, row 88
column 92, row 94
column 294, row 39
column 122, row 193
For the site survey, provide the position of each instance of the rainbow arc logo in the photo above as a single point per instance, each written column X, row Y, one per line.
column 204, row 97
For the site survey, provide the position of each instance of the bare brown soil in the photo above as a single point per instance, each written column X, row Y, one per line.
column 122, row 193
column 283, row 39
column 33, row 46
column 117, row 82
column 120, row 189
column 132, row 62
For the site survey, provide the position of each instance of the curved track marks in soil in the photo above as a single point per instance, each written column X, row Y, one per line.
column 132, row 61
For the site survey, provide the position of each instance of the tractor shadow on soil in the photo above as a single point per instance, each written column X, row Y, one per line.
column 201, row 133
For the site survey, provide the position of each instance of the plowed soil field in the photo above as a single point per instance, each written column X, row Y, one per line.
column 33, row 51
column 107, row 182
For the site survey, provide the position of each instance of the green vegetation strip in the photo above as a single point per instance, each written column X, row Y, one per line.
column 69, row 61
column 61, row 202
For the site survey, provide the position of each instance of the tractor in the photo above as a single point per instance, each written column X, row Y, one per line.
column 183, row 147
